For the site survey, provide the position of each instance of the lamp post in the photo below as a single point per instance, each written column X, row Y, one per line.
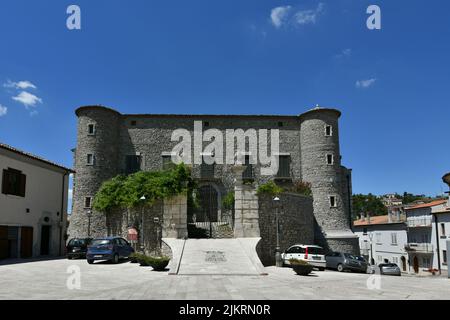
column 156, row 221
column 446, row 179
column 142, row 224
column 278, row 260
column 89, row 215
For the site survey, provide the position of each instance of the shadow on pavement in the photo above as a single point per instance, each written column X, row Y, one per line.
column 22, row 261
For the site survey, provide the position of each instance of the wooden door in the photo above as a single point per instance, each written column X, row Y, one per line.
column 4, row 243
column 45, row 240
column 26, row 242
column 416, row 265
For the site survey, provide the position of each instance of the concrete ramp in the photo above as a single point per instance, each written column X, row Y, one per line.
column 216, row 257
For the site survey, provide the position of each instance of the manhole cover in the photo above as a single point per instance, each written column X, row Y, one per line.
column 215, row 256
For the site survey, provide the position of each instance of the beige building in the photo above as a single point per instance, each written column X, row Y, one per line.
column 33, row 205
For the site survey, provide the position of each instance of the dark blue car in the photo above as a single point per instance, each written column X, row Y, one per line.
column 111, row 249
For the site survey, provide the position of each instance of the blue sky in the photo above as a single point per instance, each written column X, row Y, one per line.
column 200, row 56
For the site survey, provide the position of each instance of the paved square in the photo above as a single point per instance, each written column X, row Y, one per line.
column 48, row 280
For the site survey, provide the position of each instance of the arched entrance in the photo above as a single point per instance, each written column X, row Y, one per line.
column 205, row 219
column 208, row 200
column 416, row 264
column 403, row 259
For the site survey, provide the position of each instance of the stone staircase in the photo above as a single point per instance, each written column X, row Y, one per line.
column 215, row 257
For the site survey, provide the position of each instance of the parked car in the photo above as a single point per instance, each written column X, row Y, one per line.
column 77, row 248
column 111, row 249
column 344, row 261
column 390, row 269
column 314, row 255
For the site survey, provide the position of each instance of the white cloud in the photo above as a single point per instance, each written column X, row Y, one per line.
column 279, row 15
column 346, row 53
column 308, row 16
column 20, row 85
column 3, row 110
column 365, row 83
column 27, row 99
column 283, row 15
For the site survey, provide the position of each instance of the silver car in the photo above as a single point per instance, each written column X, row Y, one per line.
column 390, row 269
column 344, row 261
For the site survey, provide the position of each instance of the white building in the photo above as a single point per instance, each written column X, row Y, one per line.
column 33, row 205
column 382, row 239
column 428, row 230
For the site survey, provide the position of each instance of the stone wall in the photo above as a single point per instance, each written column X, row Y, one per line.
column 296, row 221
column 246, row 216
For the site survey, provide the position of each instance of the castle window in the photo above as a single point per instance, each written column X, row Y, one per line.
column 13, row 182
column 90, row 159
column 333, row 202
column 330, row 159
column 284, row 167
column 88, row 202
column 206, row 170
column 133, row 123
column 167, row 163
column 133, row 164
column 328, row 131
column 91, row 129
column 248, row 173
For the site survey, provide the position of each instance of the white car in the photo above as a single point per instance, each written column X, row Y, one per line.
column 314, row 255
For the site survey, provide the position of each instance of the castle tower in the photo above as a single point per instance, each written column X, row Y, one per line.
column 96, row 160
column 331, row 188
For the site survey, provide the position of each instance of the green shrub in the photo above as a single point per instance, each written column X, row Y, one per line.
column 297, row 262
column 228, row 201
column 269, row 188
column 157, row 263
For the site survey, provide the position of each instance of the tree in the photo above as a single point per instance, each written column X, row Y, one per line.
column 368, row 204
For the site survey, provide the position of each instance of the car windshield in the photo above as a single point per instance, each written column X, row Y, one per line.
column 77, row 242
column 101, row 242
column 390, row 265
column 360, row 259
column 315, row 250
column 349, row 256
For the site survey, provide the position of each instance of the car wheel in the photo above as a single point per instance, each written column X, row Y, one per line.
column 340, row 267
column 321, row 269
column 90, row 261
column 69, row 258
column 115, row 259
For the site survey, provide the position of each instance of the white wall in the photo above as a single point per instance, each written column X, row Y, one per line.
column 43, row 196
column 383, row 246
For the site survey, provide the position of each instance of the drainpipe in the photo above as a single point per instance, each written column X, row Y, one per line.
column 62, row 212
column 437, row 243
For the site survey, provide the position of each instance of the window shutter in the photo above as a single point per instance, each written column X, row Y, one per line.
column 5, row 182
column 23, row 182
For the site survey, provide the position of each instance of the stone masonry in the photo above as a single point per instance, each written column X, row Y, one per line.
column 308, row 140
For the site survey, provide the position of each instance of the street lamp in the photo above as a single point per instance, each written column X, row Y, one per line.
column 142, row 224
column 89, row 215
column 278, row 260
column 157, row 221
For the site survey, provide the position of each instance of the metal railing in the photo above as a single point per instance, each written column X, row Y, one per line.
column 422, row 222
column 419, row 247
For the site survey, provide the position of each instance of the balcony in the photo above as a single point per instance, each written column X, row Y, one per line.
column 419, row 247
column 419, row 223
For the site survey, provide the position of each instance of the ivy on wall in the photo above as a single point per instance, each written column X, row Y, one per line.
column 127, row 191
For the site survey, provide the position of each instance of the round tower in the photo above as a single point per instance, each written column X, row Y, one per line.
column 321, row 166
column 96, row 160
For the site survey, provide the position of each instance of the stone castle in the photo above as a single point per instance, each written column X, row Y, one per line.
column 110, row 143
